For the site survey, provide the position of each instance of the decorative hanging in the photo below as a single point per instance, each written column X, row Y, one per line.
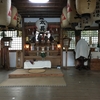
column 5, row 12
column 85, row 6
column 41, row 25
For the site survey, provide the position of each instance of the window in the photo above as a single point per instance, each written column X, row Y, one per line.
column 17, row 39
column 90, row 36
column 87, row 35
column 71, row 34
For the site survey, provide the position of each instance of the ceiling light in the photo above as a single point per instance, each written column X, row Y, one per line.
column 39, row 1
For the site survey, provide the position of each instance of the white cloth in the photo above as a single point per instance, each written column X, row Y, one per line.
column 37, row 64
column 82, row 49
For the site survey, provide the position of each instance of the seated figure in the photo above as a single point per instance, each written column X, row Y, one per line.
column 81, row 52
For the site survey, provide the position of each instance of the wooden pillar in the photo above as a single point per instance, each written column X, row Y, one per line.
column 19, row 59
column 0, row 58
column 61, row 39
column 23, row 40
column 7, row 61
column 99, row 35
column 64, row 67
column 5, row 58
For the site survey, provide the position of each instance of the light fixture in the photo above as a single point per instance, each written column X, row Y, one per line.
column 66, row 43
column 27, row 46
column 6, row 41
column 39, row 1
column 58, row 47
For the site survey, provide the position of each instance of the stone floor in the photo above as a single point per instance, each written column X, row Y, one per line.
column 81, row 85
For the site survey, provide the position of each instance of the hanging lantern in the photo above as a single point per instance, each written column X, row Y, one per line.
column 41, row 25
column 27, row 46
column 5, row 12
column 86, row 21
column 85, row 6
column 13, row 17
column 68, row 26
column 19, row 21
column 96, row 14
column 6, row 41
column 66, row 43
column 65, row 22
column 72, row 15
column 58, row 48
column 79, row 26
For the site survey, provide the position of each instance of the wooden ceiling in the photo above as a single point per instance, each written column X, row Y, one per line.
column 52, row 9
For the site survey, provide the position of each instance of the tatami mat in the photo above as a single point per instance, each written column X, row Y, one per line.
column 36, row 81
column 22, row 73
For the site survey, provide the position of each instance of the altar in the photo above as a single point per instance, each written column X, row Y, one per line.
column 37, row 64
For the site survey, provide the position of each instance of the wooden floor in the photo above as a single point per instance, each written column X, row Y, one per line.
column 81, row 85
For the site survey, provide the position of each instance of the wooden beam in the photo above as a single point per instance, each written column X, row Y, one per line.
column 39, row 16
column 28, row 2
column 39, row 9
column 39, row 13
column 41, row 6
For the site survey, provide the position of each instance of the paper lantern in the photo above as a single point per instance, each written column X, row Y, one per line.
column 72, row 15
column 79, row 26
column 85, row 6
column 65, row 22
column 19, row 21
column 62, row 26
column 5, row 12
column 96, row 14
column 41, row 25
column 13, row 17
column 86, row 21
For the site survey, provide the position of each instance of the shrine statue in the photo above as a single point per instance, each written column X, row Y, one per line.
column 33, row 40
column 51, row 39
column 46, row 38
column 39, row 38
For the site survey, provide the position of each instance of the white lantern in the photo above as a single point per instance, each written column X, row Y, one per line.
column 62, row 25
column 65, row 22
column 13, row 17
column 72, row 15
column 86, row 21
column 41, row 25
column 79, row 26
column 5, row 12
column 85, row 6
